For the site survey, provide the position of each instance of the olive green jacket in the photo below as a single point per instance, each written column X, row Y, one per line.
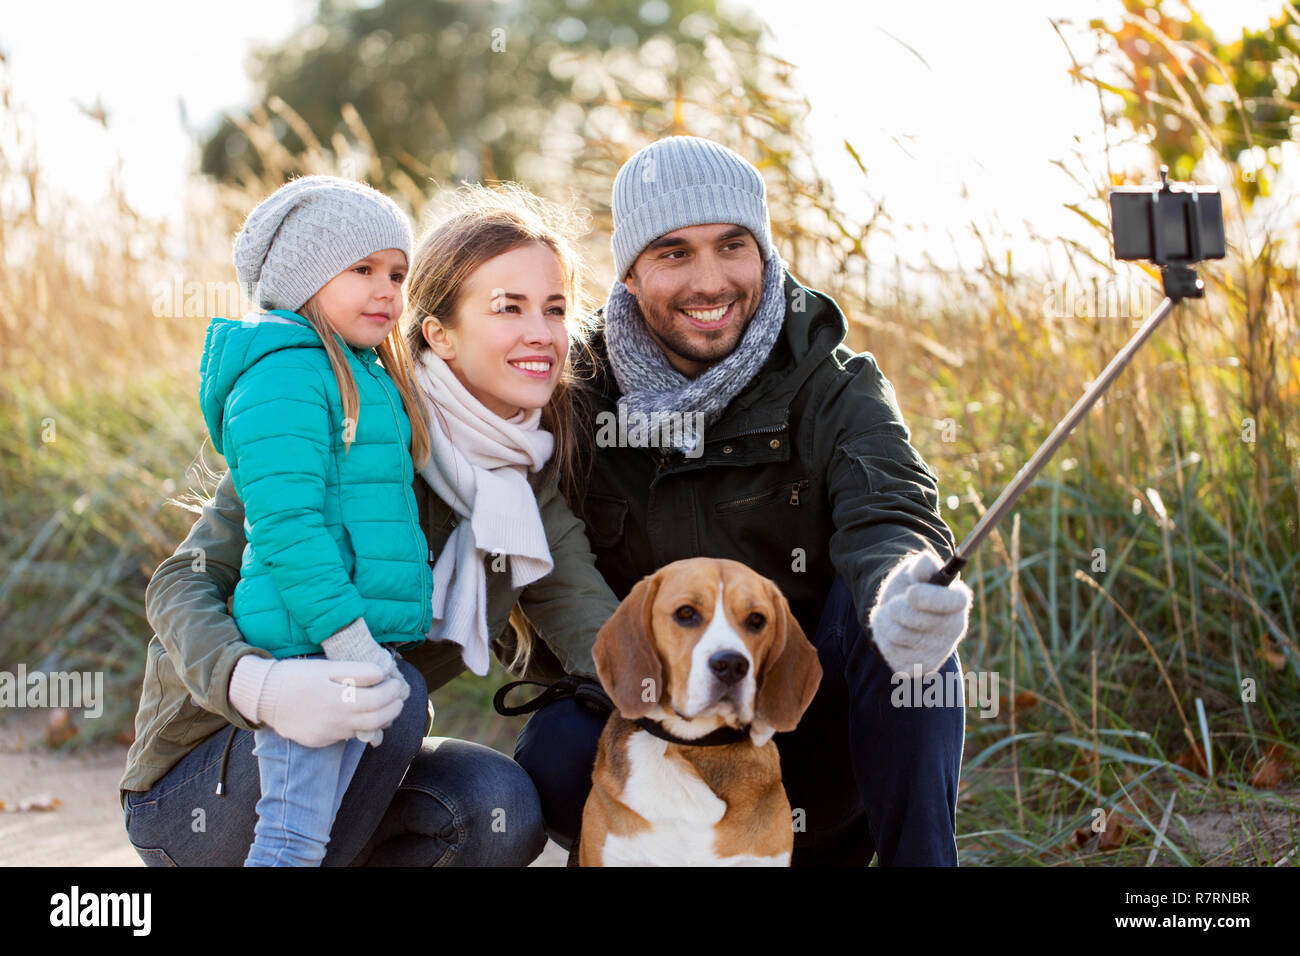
column 196, row 643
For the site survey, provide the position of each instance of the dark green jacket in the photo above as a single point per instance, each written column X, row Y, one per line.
column 195, row 647
column 808, row 474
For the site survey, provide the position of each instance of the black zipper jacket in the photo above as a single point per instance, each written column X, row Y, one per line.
column 809, row 473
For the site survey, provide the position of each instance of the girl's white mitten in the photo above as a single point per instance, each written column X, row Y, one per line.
column 355, row 643
column 313, row 703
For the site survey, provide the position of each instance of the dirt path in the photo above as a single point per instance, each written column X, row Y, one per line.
column 85, row 827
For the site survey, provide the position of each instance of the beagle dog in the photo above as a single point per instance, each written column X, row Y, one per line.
column 704, row 663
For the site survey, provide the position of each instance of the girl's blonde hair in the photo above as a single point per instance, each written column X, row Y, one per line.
column 479, row 225
column 396, row 359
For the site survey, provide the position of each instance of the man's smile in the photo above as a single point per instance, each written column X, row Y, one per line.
column 713, row 318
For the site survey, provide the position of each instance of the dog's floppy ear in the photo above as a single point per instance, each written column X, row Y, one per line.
column 625, row 653
column 790, row 673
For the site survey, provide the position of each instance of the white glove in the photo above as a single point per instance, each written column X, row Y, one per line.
column 314, row 703
column 915, row 622
column 355, row 643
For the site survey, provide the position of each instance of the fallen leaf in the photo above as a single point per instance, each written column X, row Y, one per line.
column 1081, row 768
column 1274, row 659
column 1022, row 701
column 1193, row 759
column 39, row 804
column 60, row 728
column 1273, row 769
column 1116, row 833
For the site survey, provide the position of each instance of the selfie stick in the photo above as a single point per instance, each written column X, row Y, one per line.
column 1179, row 282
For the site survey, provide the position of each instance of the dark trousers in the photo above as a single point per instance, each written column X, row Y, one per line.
column 870, row 777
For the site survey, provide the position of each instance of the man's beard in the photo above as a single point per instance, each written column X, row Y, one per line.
column 667, row 330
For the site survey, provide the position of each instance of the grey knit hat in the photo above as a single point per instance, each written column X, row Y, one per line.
column 307, row 232
column 685, row 181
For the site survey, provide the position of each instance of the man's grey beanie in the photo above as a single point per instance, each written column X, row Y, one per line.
column 307, row 232
column 685, row 181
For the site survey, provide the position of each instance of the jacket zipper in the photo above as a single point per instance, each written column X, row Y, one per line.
column 427, row 576
column 757, row 431
column 795, row 488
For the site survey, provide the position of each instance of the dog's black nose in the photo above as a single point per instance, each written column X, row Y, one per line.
column 730, row 667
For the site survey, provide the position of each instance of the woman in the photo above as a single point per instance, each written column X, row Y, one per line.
column 489, row 292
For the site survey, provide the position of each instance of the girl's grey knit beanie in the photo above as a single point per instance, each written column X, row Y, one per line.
column 307, row 232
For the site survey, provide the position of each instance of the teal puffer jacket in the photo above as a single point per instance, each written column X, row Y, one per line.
column 331, row 536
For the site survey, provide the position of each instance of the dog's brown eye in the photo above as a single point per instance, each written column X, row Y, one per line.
column 686, row 615
column 755, row 621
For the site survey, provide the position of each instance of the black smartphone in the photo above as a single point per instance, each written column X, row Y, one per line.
column 1168, row 224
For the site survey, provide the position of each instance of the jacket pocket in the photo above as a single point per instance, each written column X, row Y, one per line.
column 604, row 516
column 904, row 474
column 346, row 551
column 787, row 493
column 174, row 715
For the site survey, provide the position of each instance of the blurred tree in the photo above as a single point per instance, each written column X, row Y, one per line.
column 557, row 94
column 456, row 89
column 1189, row 91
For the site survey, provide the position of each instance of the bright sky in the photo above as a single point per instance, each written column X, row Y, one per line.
column 923, row 128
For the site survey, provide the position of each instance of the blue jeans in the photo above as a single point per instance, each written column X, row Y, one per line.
column 413, row 801
column 871, row 778
column 302, row 788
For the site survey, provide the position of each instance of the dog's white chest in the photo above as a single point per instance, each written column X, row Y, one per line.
column 681, row 809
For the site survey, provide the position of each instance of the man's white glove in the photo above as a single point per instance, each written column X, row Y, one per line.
column 915, row 622
column 355, row 643
column 314, row 703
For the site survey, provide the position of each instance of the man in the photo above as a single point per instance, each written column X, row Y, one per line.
column 803, row 470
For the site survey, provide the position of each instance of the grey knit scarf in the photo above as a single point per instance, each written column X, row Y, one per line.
column 663, row 399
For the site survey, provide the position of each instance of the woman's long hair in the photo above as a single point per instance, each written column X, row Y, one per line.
column 481, row 224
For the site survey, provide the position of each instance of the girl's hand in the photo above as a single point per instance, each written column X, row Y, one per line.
column 316, row 703
column 355, row 643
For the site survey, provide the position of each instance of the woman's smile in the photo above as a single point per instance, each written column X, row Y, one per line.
column 534, row 366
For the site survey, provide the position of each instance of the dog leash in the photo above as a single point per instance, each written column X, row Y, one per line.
column 583, row 689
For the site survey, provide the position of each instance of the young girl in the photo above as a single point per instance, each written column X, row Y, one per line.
column 491, row 292
column 320, row 440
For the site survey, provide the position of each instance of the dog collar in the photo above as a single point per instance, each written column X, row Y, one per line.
column 715, row 738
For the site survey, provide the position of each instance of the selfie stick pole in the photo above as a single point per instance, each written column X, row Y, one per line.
column 1176, row 288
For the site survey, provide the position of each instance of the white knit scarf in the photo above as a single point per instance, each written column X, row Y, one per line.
column 477, row 464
